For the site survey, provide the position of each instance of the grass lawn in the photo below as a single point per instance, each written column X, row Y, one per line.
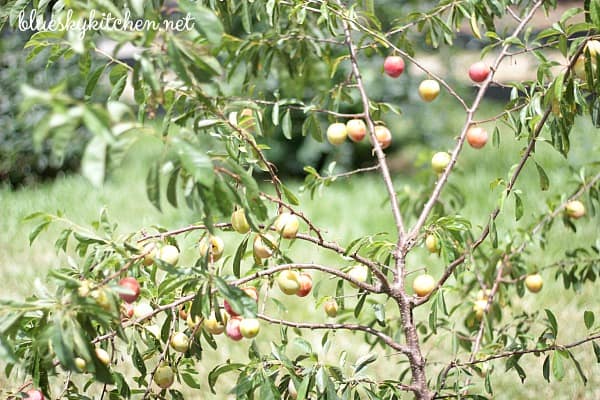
column 347, row 210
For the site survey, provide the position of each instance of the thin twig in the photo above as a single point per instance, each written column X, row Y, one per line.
column 352, row 327
column 385, row 172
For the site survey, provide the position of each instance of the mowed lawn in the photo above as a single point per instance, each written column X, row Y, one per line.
column 345, row 210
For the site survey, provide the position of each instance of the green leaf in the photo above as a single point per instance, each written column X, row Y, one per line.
column 363, row 361
column 493, row 233
column 518, row 207
column 303, row 389
column 578, row 367
column 595, row 12
column 196, row 162
column 239, row 254
column 176, row 57
column 287, row 125
column 240, row 302
column 246, row 19
column 93, row 163
column 205, row 21
column 219, row 370
column 93, row 80
column 190, row 381
column 138, row 361
column 311, row 126
column 596, row 347
column 290, row 196
column 588, row 318
column 172, row 188
column 552, row 321
column 360, row 304
column 544, row 181
column 558, row 370
column 38, row 229
column 153, row 185
column 546, row 369
column 496, row 137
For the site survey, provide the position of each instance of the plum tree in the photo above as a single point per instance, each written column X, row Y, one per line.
column 230, row 103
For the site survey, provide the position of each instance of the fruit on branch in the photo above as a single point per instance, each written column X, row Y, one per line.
column 142, row 310
column 292, row 390
column 383, row 136
column 477, row 137
column 479, row 308
column 393, row 66
column 126, row 310
column 288, row 282
column 102, row 355
column 232, row 329
column 84, row 288
column 179, row 342
column 249, row 327
column 164, row 376
column 183, row 314
column 336, row 133
column 287, row 225
column 593, row 46
column 102, row 299
column 479, row 71
column 481, row 295
column 579, row 68
column 192, row 322
column 305, row 280
column 168, row 254
column 423, row 285
column 357, row 130
column 213, row 326
column 262, row 245
column 440, row 161
column 212, row 246
column 34, row 394
column 80, row 363
column 429, row 90
column 132, row 286
column 432, row 243
column 534, row 283
column 359, row 273
column 149, row 250
column 575, row 209
column 239, row 221
column 250, row 291
column 331, row 308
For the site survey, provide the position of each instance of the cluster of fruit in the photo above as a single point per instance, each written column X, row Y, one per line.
column 424, row 284
column 429, row 90
column 229, row 321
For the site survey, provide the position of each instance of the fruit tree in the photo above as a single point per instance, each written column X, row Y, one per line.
column 134, row 314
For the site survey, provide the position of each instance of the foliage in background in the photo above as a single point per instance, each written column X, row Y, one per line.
column 26, row 155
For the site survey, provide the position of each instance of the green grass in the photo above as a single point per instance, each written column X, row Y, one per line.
column 346, row 210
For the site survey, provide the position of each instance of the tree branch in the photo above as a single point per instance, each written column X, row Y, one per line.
column 385, row 172
column 352, row 327
column 452, row 266
column 469, row 120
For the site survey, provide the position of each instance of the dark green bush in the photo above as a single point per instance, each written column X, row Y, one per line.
column 22, row 162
